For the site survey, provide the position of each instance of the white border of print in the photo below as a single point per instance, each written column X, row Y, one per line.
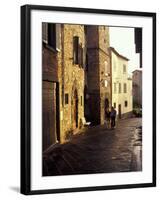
column 54, row 182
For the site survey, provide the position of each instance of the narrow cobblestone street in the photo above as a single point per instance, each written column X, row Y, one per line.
column 98, row 150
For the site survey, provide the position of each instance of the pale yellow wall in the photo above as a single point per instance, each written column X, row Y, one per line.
column 118, row 76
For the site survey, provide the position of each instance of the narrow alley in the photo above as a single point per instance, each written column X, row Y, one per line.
column 98, row 150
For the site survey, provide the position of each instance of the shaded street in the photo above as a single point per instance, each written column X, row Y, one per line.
column 98, row 150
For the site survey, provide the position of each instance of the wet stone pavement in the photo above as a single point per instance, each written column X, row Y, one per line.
column 98, row 150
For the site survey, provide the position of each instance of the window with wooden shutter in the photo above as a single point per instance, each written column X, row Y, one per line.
column 45, row 32
column 79, row 54
column 125, row 88
column 84, row 57
column 53, row 35
column 81, row 63
column 75, row 49
column 58, row 34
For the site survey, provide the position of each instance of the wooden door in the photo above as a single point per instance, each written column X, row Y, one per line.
column 49, row 114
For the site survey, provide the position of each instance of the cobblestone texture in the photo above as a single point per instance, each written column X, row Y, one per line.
column 98, row 150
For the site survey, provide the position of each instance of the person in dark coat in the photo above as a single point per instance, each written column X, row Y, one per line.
column 113, row 117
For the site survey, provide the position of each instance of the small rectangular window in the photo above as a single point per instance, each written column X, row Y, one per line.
column 66, row 99
column 81, row 100
column 115, row 88
column 125, row 88
column 75, row 49
column 119, row 87
column 79, row 52
column 114, row 105
column 51, row 35
column 124, row 68
column 126, row 103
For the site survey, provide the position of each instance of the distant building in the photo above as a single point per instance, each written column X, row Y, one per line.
column 137, row 88
column 121, row 84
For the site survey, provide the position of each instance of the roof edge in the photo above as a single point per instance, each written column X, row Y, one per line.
column 116, row 52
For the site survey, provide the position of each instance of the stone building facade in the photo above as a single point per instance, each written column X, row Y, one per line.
column 97, row 76
column 137, row 87
column 121, row 84
column 72, row 79
column 63, row 81
column 76, row 79
column 50, row 88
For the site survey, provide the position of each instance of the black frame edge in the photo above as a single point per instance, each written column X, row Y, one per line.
column 154, row 98
column 26, row 103
column 89, row 189
column 25, row 100
column 89, row 10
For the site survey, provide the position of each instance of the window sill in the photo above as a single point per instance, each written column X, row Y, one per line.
column 51, row 48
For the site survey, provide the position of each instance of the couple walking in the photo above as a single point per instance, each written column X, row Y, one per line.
column 111, row 117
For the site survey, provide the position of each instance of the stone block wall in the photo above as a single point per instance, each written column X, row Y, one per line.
column 98, row 74
column 64, row 105
column 71, row 82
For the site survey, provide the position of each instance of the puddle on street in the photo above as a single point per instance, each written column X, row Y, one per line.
column 137, row 150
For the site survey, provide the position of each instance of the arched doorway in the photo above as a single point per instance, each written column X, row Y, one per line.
column 75, row 109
